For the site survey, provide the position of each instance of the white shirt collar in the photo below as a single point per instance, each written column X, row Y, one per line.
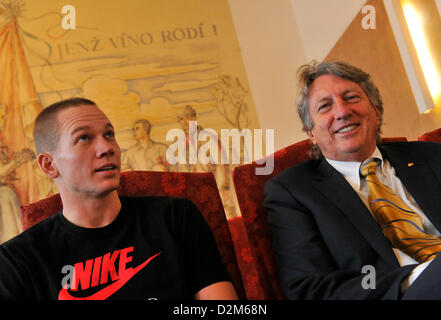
column 350, row 169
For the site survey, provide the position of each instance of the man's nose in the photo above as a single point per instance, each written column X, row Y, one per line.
column 105, row 147
column 341, row 109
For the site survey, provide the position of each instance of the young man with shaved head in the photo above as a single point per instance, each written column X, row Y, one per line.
column 101, row 245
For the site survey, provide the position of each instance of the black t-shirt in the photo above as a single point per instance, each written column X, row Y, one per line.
column 156, row 248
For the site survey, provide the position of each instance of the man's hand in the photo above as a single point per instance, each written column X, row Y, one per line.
column 223, row 290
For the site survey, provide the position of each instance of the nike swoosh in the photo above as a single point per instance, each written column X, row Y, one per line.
column 112, row 288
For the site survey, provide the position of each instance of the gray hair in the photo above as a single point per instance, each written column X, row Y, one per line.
column 308, row 73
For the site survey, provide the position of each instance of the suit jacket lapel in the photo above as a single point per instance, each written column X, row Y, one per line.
column 419, row 179
column 335, row 187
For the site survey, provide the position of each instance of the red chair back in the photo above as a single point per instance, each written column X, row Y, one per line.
column 434, row 136
column 244, row 257
column 200, row 188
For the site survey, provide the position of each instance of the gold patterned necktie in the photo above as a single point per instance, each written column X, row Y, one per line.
column 402, row 226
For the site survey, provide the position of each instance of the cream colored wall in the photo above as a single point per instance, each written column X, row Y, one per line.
column 277, row 36
column 322, row 22
column 272, row 51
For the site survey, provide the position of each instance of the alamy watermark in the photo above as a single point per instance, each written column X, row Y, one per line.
column 217, row 151
column 369, row 20
column 368, row 282
column 68, row 21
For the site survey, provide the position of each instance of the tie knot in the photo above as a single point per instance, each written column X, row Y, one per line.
column 368, row 168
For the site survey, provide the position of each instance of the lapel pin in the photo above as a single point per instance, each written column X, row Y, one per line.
column 410, row 164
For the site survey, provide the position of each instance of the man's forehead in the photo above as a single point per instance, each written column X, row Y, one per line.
column 326, row 84
column 77, row 117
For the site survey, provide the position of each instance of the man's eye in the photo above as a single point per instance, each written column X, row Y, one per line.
column 84, row 137
column 323, row 106
column 110, row 134
column 352, row 97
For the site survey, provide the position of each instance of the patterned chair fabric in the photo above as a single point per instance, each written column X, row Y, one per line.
column 245, row 259
column 200, row 188
column 249, row 191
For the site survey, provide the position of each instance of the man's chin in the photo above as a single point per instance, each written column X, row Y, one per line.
column 358, row 154
column 104, row 191
column 349, row 152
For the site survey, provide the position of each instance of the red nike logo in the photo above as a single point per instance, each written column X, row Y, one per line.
column 112, row 288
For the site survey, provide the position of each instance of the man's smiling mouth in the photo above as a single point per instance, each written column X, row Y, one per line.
column 347, row 128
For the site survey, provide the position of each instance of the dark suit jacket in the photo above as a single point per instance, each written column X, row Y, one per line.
column 323, row 234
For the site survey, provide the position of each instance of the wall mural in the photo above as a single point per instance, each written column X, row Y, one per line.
column 152, row 66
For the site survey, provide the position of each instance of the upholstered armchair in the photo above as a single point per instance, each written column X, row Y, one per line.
column 249, row 191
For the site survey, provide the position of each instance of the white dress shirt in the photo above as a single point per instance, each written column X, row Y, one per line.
column 386, row 174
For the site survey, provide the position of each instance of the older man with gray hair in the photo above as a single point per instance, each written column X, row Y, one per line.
column 360, row 220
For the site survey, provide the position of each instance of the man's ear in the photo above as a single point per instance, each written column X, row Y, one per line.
column 378, row 116
column 47, row 165
column 311, row 136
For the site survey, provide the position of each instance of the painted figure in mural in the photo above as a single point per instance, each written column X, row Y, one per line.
column 10, row 222
column 92, row 248
column 220, row 171
column 146, row 154
column 231, row 101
